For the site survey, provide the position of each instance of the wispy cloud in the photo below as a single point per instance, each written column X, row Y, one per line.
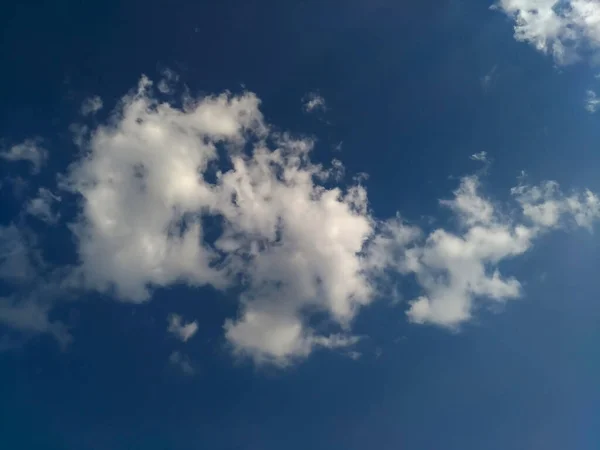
column 29, row 150
column 182, row 363
column 183, row 331
column 91, row 106
column 592, row 102
column 314, row 102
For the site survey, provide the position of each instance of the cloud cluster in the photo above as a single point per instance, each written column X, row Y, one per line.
column 207, row 193
column 454, row 269
column 562, row 28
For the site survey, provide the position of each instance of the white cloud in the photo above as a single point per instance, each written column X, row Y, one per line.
column 455, row 269
column 563, row 28
column 592, row 102
column 182, row 362
column 42, row 206
column 547, row 207
column 144, row 194
column 183, row 331
column 295, row 244
column 208, row 194
column 481, row 156
column 314, row 101
column 91, row 106
column 29, row 150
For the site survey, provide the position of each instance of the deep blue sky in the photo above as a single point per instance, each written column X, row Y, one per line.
column 403, row 86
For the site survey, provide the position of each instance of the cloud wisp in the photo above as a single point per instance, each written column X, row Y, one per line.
column 29, row 150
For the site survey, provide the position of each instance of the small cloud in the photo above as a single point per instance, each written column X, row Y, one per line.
column 592, row 102
column 314, row 101
column 354, row 355
column 91, row 106
column 489, row 78
column 182, row 331
column 481, row 156
column 41, row 206
column 28, row 150
column 182, row 362
column 169, row 77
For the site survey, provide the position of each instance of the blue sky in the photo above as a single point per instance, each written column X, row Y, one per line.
column 267, row 225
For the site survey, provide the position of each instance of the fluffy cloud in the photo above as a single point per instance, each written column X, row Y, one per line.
column 91, row 106
column 29, row 150
column 143, row 192
column 153, row 177
column 455, row 269
column 183, row 331
column 562, row 28
column 208, row 194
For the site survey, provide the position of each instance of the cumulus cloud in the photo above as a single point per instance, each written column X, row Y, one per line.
column 183, row 331
column 151, row 178
column 91, row 106
column 313, row 102
column 41, row 206
column 564, row 29
column 29, row 150
column 592, row 102
column 454, row 269
column 207, row 193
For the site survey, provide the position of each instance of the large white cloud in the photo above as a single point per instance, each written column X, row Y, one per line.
column 206, row 193
column 454, row 269
column 562, row 28
column 296, row 245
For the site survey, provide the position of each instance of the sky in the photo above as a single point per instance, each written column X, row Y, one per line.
column 290, row 225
